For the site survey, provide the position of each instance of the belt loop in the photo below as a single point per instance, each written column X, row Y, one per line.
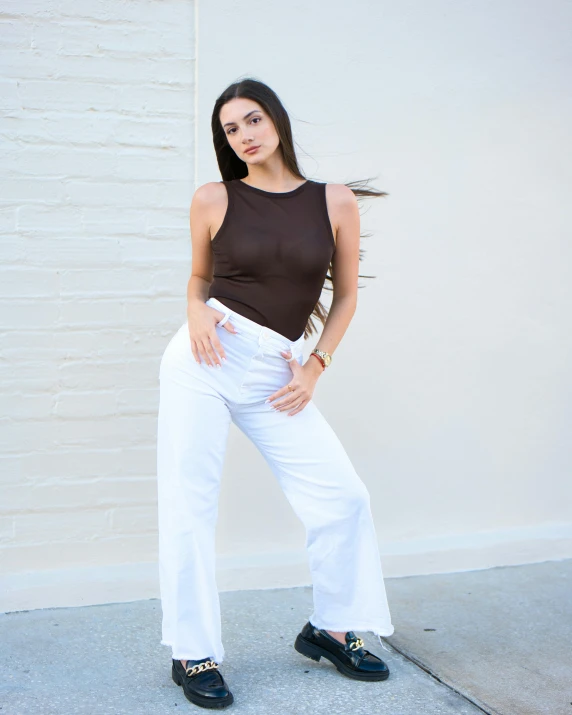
column 223, row 320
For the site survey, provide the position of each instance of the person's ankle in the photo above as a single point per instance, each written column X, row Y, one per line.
column 338, row 635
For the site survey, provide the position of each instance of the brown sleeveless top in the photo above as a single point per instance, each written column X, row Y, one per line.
column 272, row 253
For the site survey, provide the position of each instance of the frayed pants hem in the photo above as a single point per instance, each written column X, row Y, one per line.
column 189, row 655
column 383, row 631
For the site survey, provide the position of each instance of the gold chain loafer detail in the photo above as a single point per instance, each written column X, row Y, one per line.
column 203, row 684
column 199, row 667
column 355, row 644
column 351, row 658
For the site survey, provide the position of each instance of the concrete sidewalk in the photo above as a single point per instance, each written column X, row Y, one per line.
column 501, row 637
column 496, row 633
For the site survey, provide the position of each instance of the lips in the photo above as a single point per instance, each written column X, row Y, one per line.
column 251, row 150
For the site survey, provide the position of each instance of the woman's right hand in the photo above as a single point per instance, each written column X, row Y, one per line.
column 202, row 320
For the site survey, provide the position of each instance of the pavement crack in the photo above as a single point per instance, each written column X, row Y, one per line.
column 412, row 659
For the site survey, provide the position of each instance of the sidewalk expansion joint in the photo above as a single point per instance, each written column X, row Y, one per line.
column 412, row 659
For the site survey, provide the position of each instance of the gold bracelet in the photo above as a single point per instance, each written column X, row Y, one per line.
column 326, row 357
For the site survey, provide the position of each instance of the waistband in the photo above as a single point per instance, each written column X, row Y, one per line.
column 254, row 329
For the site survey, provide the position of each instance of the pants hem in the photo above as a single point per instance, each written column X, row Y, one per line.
column 188, row 655
column 384, row 631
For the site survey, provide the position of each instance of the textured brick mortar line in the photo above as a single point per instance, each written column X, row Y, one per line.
column 97, row 116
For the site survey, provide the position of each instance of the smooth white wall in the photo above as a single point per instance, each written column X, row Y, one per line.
column 451, row 388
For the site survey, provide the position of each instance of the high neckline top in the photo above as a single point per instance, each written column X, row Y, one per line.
column 277, row 194
column 271, row 254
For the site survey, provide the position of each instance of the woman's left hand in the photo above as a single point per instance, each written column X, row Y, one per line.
column 304, row 378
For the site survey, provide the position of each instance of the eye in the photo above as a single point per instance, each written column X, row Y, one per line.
column 230, row 131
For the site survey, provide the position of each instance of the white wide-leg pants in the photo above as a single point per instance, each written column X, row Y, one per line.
column 197, row 404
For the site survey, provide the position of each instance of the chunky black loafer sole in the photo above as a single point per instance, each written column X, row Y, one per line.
column 315, row 652
column 204, row 701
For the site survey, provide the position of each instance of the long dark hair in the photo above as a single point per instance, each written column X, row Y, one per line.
column 232, row 167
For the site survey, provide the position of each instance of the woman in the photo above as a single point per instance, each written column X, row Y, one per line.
column 267, row 236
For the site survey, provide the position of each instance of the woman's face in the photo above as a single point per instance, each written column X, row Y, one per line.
column 247, row 126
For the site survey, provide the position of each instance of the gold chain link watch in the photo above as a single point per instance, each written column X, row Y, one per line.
column 324, row 357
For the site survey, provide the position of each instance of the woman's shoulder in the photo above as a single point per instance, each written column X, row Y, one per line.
column 340, row 197
column 211, row 193
column 339, row 193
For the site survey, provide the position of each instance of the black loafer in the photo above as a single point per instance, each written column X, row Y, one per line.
column 203, row 684
column 350, row 659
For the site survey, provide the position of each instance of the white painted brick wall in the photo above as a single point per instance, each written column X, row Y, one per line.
column 96, row 125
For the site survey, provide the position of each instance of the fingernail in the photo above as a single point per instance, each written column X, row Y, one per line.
column 224, row 359
column 267, row 400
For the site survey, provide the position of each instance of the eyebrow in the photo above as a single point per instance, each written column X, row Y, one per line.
column 245, row 117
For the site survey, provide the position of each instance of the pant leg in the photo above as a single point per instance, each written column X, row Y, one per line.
column 192, row 430
column 333, row 503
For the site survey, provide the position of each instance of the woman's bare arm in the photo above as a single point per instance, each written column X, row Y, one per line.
column 208, row 206
column 203, row 207
column 344, row 213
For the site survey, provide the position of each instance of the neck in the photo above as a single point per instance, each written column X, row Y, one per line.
column 276, row 179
